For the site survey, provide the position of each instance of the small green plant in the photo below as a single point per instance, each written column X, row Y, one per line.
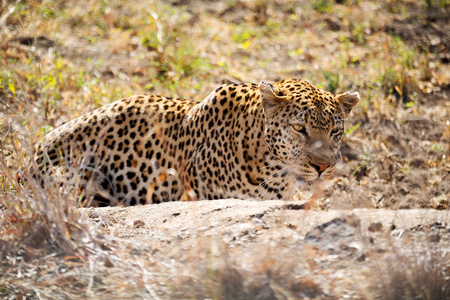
column 243, row 36
column 394, row 81
column 176, row 56
column 405, row 53
column 332, row 80
column 322, row 6
column 366, row 159
column 409, row 104
column 368, row 156
column 47, row 12
column 436, row 3
column 399, row 76
column 406, row 167
column 358, row 167
column 7, row 81
column 352, row 129
column 437, row 147
column 358, row 33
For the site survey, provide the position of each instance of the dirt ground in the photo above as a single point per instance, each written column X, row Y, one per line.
column 337, row 254
column 379, row 230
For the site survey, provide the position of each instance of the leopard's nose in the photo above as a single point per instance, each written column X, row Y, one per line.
column 320, row 167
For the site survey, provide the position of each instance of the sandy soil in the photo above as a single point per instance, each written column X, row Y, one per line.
column 336, row 254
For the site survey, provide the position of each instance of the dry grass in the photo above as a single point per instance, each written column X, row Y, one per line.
column 412, row 273
column 60, row 59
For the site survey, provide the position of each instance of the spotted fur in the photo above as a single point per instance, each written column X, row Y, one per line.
column 242, row 141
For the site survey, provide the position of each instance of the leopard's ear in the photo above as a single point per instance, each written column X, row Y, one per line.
column 348, row 100
column 270, row 95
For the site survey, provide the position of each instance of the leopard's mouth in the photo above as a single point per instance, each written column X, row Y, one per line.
column 312, row 174
column 302, row 178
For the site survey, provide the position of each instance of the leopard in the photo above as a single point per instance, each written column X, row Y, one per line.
column 243, row 141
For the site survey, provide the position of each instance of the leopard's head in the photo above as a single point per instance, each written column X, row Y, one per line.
column 304, row 126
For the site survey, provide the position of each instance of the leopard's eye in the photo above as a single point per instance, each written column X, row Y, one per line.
column 299, row 128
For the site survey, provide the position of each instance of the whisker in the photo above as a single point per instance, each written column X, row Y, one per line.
column 268, row 179
column 292, row 176
column 277, row 180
